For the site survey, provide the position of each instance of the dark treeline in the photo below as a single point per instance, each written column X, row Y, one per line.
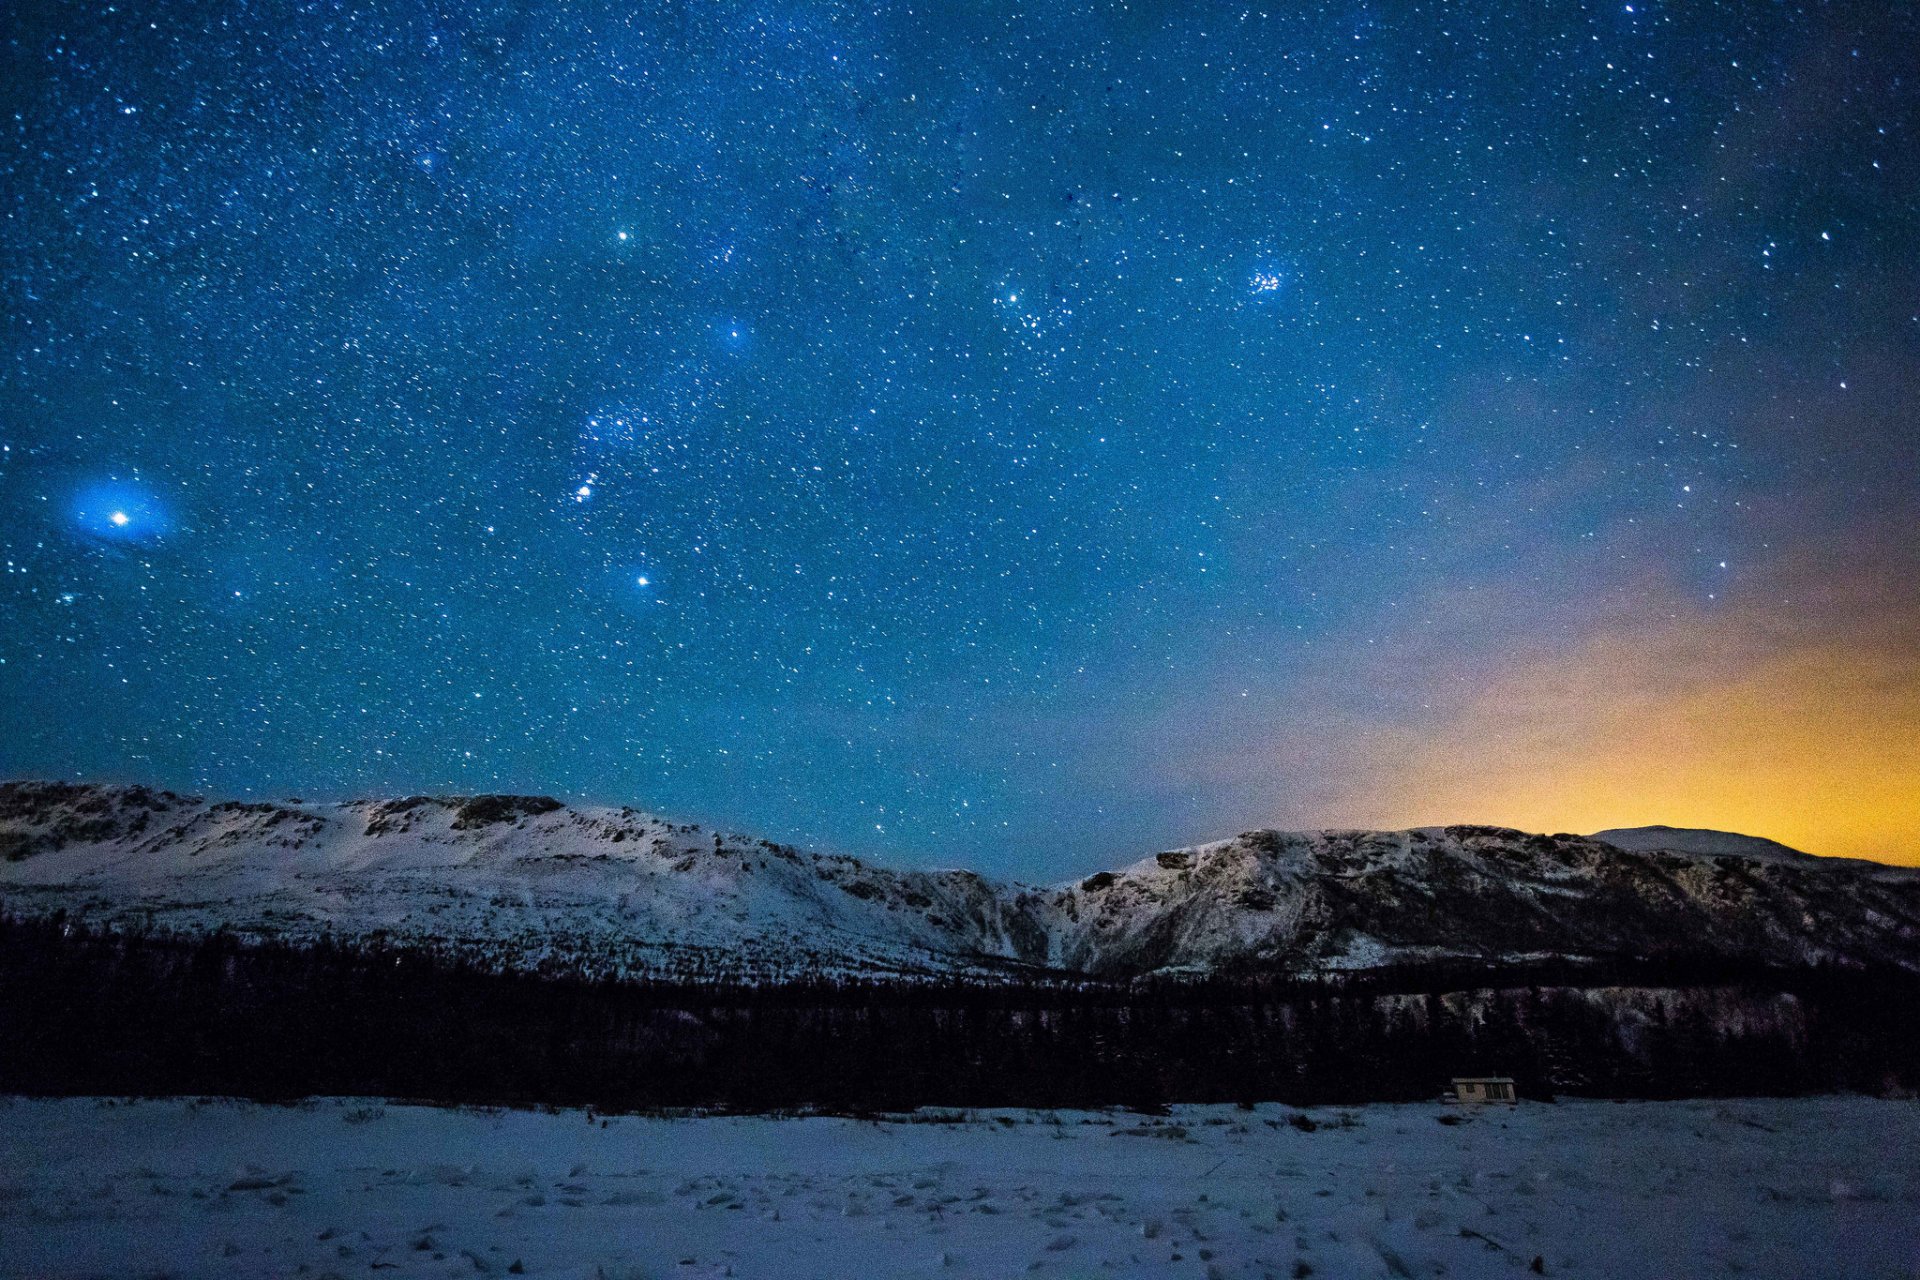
column 92, row 1012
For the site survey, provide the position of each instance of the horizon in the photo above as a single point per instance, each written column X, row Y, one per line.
column 905, row 856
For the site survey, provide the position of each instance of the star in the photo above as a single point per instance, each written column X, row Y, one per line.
column 119, row 511
column 263, row 354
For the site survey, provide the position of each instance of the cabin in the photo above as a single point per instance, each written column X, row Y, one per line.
column 1484, row 1089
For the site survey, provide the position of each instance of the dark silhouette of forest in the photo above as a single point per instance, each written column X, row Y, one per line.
column 86, row 1011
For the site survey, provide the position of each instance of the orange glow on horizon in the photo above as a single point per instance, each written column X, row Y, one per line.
column 1816, row 748
column 1805, row 755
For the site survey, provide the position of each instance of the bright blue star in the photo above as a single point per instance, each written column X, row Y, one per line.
column 116, row 511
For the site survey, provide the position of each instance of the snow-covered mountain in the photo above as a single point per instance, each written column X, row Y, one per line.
column 1358, row 899
column 523, row 880
column 1702, row 840
column 529, row 883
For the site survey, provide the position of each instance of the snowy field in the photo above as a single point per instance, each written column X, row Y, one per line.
column 1806, row 1188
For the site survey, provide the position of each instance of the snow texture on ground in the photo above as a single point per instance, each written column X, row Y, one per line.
column 1805, row 1188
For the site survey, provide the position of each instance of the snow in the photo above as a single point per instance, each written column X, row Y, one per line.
column 1702, row 841
column 609, row 889
column 1806, row 1187
column 526, row 882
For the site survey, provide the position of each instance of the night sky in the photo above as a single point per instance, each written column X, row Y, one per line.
column 1014, row 436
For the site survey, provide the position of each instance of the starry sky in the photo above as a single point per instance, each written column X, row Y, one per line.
column 1015, row 436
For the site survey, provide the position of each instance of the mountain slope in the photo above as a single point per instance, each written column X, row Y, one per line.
column 528, row 883
column 1358, row 899
column 1702, row 840
column 524, row 880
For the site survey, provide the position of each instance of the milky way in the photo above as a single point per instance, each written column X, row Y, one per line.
column 982, row 434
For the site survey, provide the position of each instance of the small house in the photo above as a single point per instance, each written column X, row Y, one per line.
column 1484, row 1089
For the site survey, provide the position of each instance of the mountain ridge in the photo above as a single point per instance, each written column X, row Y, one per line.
column 1706, row 840
column 529, row 883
